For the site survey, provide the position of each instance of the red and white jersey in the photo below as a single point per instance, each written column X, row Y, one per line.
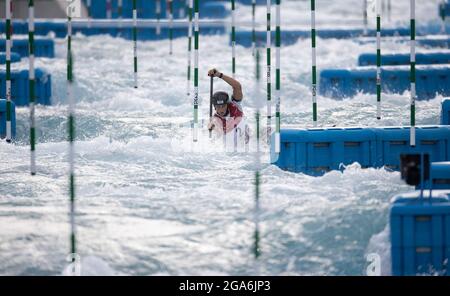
column 232, row 118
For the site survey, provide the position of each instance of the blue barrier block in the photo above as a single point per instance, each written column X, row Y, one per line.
column 445, row 112
column 45, row 28
column 60, row 31
column 43, row 47
column 15, row 57
column 316, row 151
column 427, row 42
column 369, row 59
column 289, row 37
column 20, row 89
column 439, row 176
column 335, row 83
column 394, row 141
column 147, row 34
column 420, row 234
column 347, row 83
column 147, row 9
column 215, row 10
column 434, row 42
column 3, row 119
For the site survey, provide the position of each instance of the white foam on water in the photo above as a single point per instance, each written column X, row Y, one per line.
column 149, row 202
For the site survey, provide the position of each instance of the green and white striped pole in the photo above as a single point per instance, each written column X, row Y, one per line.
column 189, row 52
column 365, row 16
column 8, row 70
column 442, row 15
column 256, row 248
column 32, row 84
column 233, row 39
column 89, row 4
column 120, row 12
column 71, row 130
column 253, row 27
column 378, row 8
column 120, row 8
column 413, row 74
column 269, row 77
column 158, row 17
column 170, row 26
column 314, row 64
column 108, row 9
column 196, row 44
column 135, row 44
column 277, row 76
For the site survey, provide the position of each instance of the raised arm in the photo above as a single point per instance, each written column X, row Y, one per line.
column 237, row 88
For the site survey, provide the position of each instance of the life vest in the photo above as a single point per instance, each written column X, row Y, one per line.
column 232, row 118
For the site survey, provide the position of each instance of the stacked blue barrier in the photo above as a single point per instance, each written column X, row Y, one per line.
column 60, row 30
column 434, row 42
column 15, row 57
column 427, row 42
column 439, row 176
column 420, row 234
column 147, row 9
column 342, row 83
column 288, row 37
column 42, row 47
column 370, row 59
column 3, row 119
column 317, row 151
column 20, row 87
column 216, row 10
column 146, row 34
column 445, row 112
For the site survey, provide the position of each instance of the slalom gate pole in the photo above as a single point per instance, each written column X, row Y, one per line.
column 269, row 76
column 32, row 86
column 196, row 45
column 314, row 65
column 8, row 11
column 413, row 74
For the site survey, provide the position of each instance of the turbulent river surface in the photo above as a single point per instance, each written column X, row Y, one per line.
column 149, row 202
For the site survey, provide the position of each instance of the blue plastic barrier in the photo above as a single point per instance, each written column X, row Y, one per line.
column 288, row 37
column 370, row 59
column 147, row 34
column 445, row 112
column 316, row 151
column 42, row 47
column 427, row 42
column 420, row 234
column 347, row 83
column 147, row 9
column 3, row 119
column 15, row 57
column 20, row 88
column 434, row 42
column 215, row 10
column 394, row 141
column 60, row 31
column 439, row 175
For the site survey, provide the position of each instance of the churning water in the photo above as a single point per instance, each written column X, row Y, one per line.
column 149, row 203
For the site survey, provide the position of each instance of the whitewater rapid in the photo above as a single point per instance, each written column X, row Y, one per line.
column 149, row 203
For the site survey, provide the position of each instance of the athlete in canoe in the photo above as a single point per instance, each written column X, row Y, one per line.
column 229, row 112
